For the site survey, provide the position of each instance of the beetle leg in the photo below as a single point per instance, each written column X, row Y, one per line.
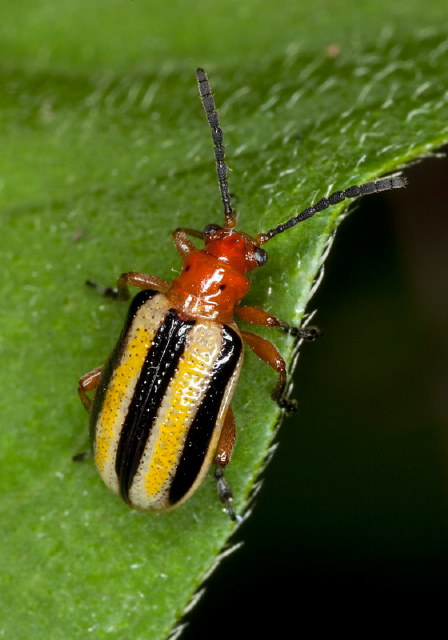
column 183, row 244
column 258, row 316
column 139, row 280
column 223, row 455
column 267, row 352
column 226, row 440
column 80, row 457
column 224, row 493
column 89, row 382
column 133, row 279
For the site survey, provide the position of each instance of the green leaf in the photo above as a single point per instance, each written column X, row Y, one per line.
column 105, row 150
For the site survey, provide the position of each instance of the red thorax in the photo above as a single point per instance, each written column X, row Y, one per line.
column 213, row 279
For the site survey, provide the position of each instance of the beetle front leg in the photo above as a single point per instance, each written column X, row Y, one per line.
column 182, row 242
column 89, row 382
column 260, row 317
column 223, row 455
column 267, row 352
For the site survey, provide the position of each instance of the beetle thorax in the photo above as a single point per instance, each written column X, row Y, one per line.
column 213, row 279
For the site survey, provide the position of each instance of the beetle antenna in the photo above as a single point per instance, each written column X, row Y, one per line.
column 220, row 152
column 385, row 184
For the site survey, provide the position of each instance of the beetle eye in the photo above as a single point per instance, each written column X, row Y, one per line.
column 211, row 228
column 260, row 256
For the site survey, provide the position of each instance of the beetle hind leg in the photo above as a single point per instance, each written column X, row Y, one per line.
column 89, row 382
column 225, row 493
column 222, row 458
column 279, row 396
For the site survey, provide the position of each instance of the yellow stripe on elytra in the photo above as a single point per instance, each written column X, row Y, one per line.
column 180, row 404
column 121, row 385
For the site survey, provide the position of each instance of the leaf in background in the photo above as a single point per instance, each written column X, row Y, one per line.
column 105, row 151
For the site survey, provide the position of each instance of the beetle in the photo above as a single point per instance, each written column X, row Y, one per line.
column 161, row 411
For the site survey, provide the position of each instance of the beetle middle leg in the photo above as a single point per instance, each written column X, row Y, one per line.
column 133, row 279
column 262, row 318
column 223, row 455
column 267, row 352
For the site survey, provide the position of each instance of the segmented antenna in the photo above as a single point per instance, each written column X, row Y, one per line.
column 220, row 151
column 395, row 182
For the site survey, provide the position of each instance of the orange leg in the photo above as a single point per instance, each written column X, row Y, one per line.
column 258, row 316
column 223, row 455
column 89, row 382
column 133, row 279
column 267, row 352
column 183, row 244
column 226, row 440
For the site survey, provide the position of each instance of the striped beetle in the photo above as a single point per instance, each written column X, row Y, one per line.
column 161, row 412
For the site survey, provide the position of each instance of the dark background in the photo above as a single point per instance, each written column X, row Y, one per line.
column 353, row 512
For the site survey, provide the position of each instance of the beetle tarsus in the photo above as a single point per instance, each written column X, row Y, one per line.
column 225, row 493
column 310, row 333
column 83, row 455
column 289, row 406
column 120, row 293
column 107, row 292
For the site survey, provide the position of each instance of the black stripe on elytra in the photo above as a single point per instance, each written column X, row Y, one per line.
column 202, row 427
column 157, row 372
column 111, row 363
